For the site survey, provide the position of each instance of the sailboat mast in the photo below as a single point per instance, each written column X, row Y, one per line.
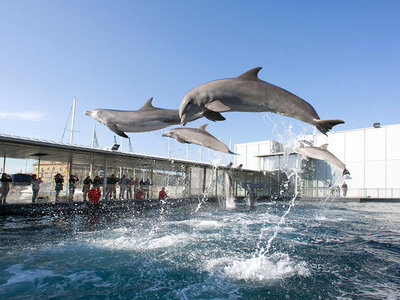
column 72, row 121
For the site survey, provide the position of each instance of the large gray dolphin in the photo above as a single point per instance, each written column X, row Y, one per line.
column 197, row 136
column 322, row 153
column 248, row 93
column 147, row 118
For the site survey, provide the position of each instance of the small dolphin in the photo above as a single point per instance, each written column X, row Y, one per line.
column 147, row 118
column 197, row 136
column 251, row 196
column 248, row 93
column 323, row 154
column 229, row 198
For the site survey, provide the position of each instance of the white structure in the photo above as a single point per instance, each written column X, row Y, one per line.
column 372, row 155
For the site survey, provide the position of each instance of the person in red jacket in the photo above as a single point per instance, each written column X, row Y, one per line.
column 94, row 195
column 162, row 194
column 139, row 195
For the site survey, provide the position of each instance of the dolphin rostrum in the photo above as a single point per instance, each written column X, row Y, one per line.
column 197, row 136
column 147, row 118
column 248, row 93
column 322, row 153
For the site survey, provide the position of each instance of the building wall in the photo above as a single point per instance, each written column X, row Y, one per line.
column 372, row 156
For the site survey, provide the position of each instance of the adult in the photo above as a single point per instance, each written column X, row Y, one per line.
column 72, row 185
column 97, row 181
column 111, row 191
column 35, row 187
column 86, row 187
column 59, row 180
column 147, row 188
column 129, row 188
column 5, row 187
column 162, row 194
column 123, row 185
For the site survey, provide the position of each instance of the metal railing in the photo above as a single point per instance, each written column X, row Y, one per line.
column 323, row 192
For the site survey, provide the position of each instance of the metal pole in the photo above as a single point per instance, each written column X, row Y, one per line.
column 93, row 134
column 71, row 137
column 105, row 182
column 38, row 170
column 4, row 162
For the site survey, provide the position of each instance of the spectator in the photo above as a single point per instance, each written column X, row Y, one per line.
column 72, row 184
column 111, row 190
column 94, row 195
column 96, row 181
column 86, row 187
column 139, row 195
column 162, row 194
column 129, row 188
column 147, row 188
column 5, row 187
column 35, row 187
column 59, row 180
column 123, row 185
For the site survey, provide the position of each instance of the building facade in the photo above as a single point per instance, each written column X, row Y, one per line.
column 372, row 155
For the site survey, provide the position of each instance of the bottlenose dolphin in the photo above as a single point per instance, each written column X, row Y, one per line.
column 229, row 199
column 197, row 136
column 147, row 118
column 251, row 196
column 322, row 153
column 248, row 93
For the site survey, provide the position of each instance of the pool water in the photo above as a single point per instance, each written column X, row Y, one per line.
column 320, row 251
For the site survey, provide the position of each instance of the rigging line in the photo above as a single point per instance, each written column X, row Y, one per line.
column 65, row 128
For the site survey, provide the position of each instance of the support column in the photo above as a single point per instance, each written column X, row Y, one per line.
column 4, row 162
column 204, row 179
column 105, row 182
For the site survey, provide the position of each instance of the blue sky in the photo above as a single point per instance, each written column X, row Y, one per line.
column 340, row 56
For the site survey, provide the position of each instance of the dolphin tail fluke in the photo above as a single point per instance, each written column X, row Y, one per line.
column 325, row 125
column 345, row 172
column 213, row 115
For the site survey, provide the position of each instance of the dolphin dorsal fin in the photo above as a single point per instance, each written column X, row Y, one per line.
column 203, row 127
column 148, row 105
column 250, row 74
column 324, row 146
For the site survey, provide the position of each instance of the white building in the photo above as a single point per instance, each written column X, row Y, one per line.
column 372, row 155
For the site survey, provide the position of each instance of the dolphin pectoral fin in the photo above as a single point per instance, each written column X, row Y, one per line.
column 325, row 125
column 181, row 141
column 305, row 157
column 213, row 116
column 217, row 106
column 114, row 128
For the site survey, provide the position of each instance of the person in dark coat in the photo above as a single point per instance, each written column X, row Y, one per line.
column 59, row 180
column 5, row 187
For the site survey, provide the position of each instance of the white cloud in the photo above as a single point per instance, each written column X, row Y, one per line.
column 33, row 116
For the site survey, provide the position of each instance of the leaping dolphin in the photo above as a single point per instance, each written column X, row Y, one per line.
column 247, row 93
column 198, row 136
column 147, row 118
column 322, row 153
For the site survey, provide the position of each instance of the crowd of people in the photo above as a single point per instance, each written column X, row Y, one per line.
column 129, row 188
